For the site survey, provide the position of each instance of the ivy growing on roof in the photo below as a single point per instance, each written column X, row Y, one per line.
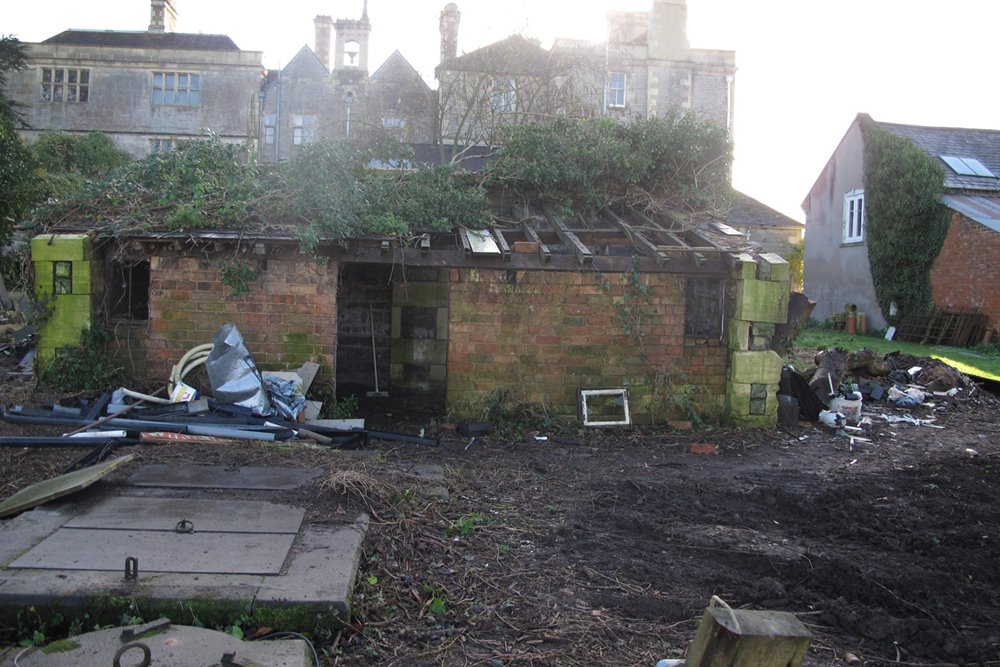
column 906, row 221
column 336, row 190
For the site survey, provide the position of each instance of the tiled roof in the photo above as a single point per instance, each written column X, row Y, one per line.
column 144, row 40
column 983, row 145
column 748, row 212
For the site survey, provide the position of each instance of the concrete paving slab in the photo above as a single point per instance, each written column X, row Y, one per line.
column 220, row 477
column 159, row 551
column 311, row 591
column 215, row 516
column 175, row 645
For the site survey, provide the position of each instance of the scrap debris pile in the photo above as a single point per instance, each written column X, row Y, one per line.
column 842, row 383
column 246, row 404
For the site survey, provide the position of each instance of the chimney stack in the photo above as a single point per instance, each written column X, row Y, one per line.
column 324, row 28
column 450, row 17
column 162, row 16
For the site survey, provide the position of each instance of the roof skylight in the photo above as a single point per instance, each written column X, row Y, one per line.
column 967, row 166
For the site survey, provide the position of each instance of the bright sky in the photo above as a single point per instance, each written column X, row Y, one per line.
column 805, row 67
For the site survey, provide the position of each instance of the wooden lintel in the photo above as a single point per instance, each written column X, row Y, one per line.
column 543, row 250
column 502, row 243
column 583, row 254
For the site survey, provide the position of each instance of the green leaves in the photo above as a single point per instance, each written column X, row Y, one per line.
column 907, row 222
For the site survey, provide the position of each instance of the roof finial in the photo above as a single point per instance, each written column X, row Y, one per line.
column 364, row 12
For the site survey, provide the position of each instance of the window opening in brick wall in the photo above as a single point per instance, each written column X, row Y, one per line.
column 704, row 308
column 61, row 84
column 62, row 278
column 176, row 89
column 128, row 290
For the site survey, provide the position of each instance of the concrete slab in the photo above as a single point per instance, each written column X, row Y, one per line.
column 215, row 516
column 312, row 589
column 174, row 645
column 159, row 551
column 264, row 478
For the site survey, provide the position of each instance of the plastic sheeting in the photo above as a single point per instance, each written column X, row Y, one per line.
column 234, row 375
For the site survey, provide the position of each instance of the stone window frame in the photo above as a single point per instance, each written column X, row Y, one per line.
column 175, row 89
column 853, row 230
column 160, row 145
column 270, row 129
column 617, row 89
column 64, row 85
column 303, row 128
column 503, row 94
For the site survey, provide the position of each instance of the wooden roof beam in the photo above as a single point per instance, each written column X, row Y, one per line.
column 583, row 254
column 641, row 242
column 543, row 250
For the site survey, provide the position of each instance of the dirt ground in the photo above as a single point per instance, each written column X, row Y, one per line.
column 604, row 547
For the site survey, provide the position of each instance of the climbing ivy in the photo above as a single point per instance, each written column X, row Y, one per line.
column 907, row 222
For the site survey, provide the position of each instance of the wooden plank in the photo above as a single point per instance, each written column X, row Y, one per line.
column 60, row 486
column 502, row 242
column 218, row 516
column 543, row 250
column 638, row 239
column 748, row 638
column 159, row 551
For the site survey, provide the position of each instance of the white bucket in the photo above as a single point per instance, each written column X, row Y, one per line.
column 850, row 408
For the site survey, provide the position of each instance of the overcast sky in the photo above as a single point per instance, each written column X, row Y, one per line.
column 805, row 67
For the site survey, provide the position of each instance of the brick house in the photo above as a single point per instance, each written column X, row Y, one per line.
column 964, row 274
column 674, row 317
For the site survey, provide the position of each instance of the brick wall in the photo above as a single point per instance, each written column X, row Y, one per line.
column 288, row 317
column 967, row 270
column 544, row 335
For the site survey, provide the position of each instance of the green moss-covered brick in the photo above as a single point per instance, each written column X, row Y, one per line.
column 745, row 267
column 761, row 301
column 739, row 335
column 763, row 367
column 43, row 278
column 82, row 278
column 778, row 268
column 71, row 314
column 61, row 248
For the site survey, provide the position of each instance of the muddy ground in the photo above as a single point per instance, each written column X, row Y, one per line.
column 604, row 547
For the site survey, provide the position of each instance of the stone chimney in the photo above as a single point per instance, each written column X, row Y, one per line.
column 324, row 28
column 162, row 16
column 668, row 38
column 450, row 17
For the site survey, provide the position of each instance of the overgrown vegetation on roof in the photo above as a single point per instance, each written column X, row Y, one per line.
column 330, row 190
column 906, row 221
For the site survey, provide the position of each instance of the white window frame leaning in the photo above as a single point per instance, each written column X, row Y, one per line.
column 617, row 93
column 854, row 217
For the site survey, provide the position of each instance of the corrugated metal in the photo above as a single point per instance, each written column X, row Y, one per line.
column 984, row 210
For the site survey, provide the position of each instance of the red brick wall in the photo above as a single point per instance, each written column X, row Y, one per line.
column 966, row 272
column 288, row 317
column 548, row 334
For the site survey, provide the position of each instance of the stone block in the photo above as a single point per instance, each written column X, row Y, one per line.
column 761, row 301
column 82, row 277
column 745, row 267
column 739, row 335
column 442, row 323
column 763, row 367
column 61, row 248
column 778, row 269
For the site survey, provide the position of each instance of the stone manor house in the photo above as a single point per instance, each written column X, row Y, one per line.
column 151, row 89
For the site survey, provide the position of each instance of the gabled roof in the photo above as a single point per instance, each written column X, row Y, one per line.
column 513, row 55
column 399, row 63
column 748, row 212
column 306, row 59
column 981, row 145
column 144, row 40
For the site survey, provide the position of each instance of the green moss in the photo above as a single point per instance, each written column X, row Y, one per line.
column 61, row 646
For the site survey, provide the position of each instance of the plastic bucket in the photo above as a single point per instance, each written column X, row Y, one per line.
column 849, row 407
